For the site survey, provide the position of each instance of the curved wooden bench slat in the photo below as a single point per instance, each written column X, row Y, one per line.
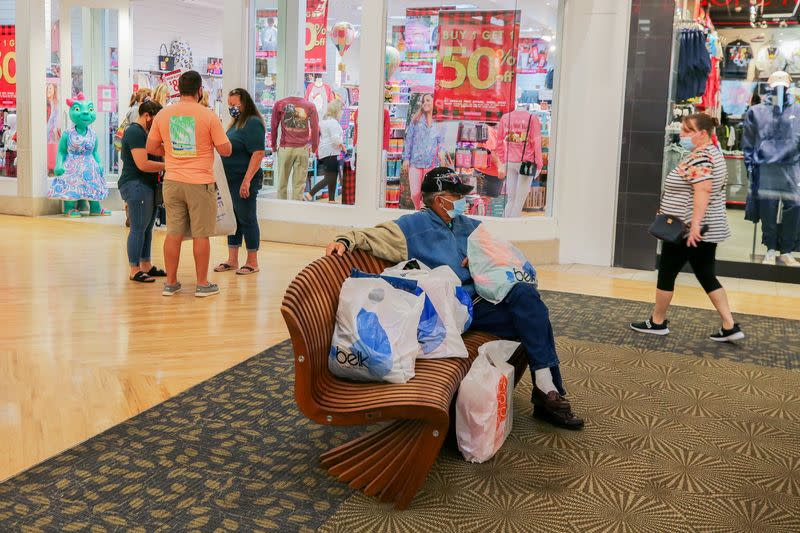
column 393, row 461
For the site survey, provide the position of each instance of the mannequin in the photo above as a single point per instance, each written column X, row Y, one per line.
column 79, row 174
column 297, row 121
column 772, row 157
column 519, row 136
column 10, row 142
column 320, row 94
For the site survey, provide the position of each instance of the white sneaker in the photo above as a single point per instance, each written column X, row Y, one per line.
column 769, row 259
column 787, row 260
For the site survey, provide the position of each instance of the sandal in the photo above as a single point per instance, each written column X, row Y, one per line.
column 103, row 213
column 73, row 213
column 156, row 272
column 141, row 277
column 246, row 270
column 223, row 267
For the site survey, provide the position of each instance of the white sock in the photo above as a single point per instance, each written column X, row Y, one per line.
column 544, row 380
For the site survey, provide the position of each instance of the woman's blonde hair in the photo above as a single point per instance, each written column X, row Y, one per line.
column 139, row 96
column 161, row 94
column 204, row 99
column 334, row 110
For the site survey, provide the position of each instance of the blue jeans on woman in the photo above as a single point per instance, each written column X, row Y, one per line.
column 141, row 200
column 246, row 211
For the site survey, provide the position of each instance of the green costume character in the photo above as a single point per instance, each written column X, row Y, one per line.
column 78, row 173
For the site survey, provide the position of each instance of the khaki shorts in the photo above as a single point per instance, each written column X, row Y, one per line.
column 191, row 208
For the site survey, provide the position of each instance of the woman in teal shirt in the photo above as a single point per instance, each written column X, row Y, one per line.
column 243, row 170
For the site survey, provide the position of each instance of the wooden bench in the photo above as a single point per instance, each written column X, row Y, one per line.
column 391, row 462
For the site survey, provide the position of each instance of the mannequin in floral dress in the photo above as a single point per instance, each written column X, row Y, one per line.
column 78, row 172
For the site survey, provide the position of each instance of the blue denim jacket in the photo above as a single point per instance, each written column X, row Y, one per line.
column 435, row 243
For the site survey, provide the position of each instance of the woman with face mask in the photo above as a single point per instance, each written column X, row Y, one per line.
column 694, row 192
column 243, row 169
column 137, row 184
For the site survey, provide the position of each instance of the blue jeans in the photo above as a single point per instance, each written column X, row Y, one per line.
column 246, row 211
column 141, row 200
column 522, row 316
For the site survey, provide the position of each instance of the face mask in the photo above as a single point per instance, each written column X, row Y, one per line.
column 459, row 207
column 687, row 143
column 234, row 111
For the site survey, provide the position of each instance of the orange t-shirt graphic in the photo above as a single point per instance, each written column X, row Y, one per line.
column 189, row 132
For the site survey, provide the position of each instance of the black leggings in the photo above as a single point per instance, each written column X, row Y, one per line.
column 702, row 260
column 330, row 177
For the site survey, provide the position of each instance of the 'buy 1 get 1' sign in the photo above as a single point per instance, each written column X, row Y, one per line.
column 8, row 66
column 475, row 66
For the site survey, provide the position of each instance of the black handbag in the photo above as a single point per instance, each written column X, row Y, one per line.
column 166, row 62
column 527, row 168
column 668, row 228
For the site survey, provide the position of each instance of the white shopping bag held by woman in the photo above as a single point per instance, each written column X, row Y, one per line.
column 485, row 399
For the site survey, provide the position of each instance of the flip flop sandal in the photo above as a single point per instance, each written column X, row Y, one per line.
column 246, row 270
column 223, row 267
column 141, row 277
column 103, row 213
column 156, row 272
column 73, row 213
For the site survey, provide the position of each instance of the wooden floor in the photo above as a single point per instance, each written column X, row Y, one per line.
column 82, row 348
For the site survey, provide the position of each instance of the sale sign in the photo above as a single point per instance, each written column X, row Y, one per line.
column 8, row 66
column 475, row 67
column 171, row 79
column 316, row 35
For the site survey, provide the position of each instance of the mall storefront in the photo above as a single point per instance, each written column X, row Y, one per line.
column 748, row 67
column 481, row 86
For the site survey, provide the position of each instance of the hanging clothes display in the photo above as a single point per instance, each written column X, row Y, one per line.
column 738, row 55
column 769, row 60
column 694, row 65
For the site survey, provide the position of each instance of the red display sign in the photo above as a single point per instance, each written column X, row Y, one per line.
column 475, row 67
column 316, row 35
column 8, row 66
column 533, row 56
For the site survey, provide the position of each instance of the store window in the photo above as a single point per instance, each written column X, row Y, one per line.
column 742, row 68
column 471, row 86
column 322, row 103
column 8, row 90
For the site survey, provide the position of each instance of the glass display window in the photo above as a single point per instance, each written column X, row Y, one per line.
column 312, row 122
column 471, row 86
column 745, row 80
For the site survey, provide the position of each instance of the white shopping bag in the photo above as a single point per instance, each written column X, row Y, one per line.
column 452, row 303
column 226, row 218
column 375, row 338
column 496, row 265
column 484, row 408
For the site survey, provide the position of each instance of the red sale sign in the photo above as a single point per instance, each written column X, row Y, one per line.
column 8, row 66
column 316, row 35
column 171, row 80
column 475, row 67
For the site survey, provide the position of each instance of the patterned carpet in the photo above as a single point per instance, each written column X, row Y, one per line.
column 680, row 436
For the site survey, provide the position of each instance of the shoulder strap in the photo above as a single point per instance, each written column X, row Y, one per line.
column 527, row 132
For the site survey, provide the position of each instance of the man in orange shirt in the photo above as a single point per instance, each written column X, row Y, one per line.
column 189, row 133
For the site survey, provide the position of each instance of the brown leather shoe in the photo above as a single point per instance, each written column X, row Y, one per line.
column 553, row 408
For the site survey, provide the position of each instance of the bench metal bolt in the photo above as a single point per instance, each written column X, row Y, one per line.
column 329, row 418
column 301, row 359
column 436, row 433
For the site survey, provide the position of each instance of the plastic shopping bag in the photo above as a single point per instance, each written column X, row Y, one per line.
column 496, row 265
column 375, row 338
column 431, row 331
column 226, row 219
column 484, row 408
column 452, row 304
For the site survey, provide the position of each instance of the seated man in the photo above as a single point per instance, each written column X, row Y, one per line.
column 438, row 236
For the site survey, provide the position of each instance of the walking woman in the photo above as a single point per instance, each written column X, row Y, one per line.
column 695, row 193
column 243, row 169
column 137, row 186
column 331, row 144
column 422, row 149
